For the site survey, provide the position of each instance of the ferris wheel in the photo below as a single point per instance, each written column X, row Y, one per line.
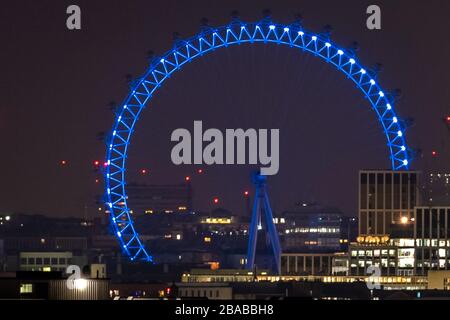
column 208, row 40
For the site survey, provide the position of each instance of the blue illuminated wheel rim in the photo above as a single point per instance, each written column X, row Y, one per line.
column 209, row 39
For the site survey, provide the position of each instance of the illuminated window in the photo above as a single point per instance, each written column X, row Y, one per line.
column 26, row 288
column 214, row 265
column 178, row 236
column 406, row 252
column 217, row 220
column 406, row 263
column 406, row 243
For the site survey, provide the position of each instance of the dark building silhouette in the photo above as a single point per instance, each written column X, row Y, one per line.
column 149, row 199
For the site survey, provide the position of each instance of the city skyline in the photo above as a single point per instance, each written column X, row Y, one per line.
column 54, row 110
column 224, row 158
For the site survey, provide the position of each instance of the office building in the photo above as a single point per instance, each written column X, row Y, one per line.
column 431, row 243
column 311, row 228
column 419, row 244
column 386, row 199
column 49, row 261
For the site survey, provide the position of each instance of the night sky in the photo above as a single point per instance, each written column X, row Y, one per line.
column 57, row 84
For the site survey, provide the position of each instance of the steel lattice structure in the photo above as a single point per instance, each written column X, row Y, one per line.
column 261, row 206
column 208, row 40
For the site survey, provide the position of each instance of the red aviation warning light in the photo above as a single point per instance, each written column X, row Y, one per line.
column 96, row 163
column 63, row 162
column 216, row 200
column 187, row 178
column 144, row 171
column 434, row 153
column 246, row 193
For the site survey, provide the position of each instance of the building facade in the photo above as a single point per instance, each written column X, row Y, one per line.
column 311, row 229
column 203, row 276
column 217, row 291
column 50, row 286
column 305, row 264
column 417, row 246
column 50, row 261
column 431, row 243
column 386, row 199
